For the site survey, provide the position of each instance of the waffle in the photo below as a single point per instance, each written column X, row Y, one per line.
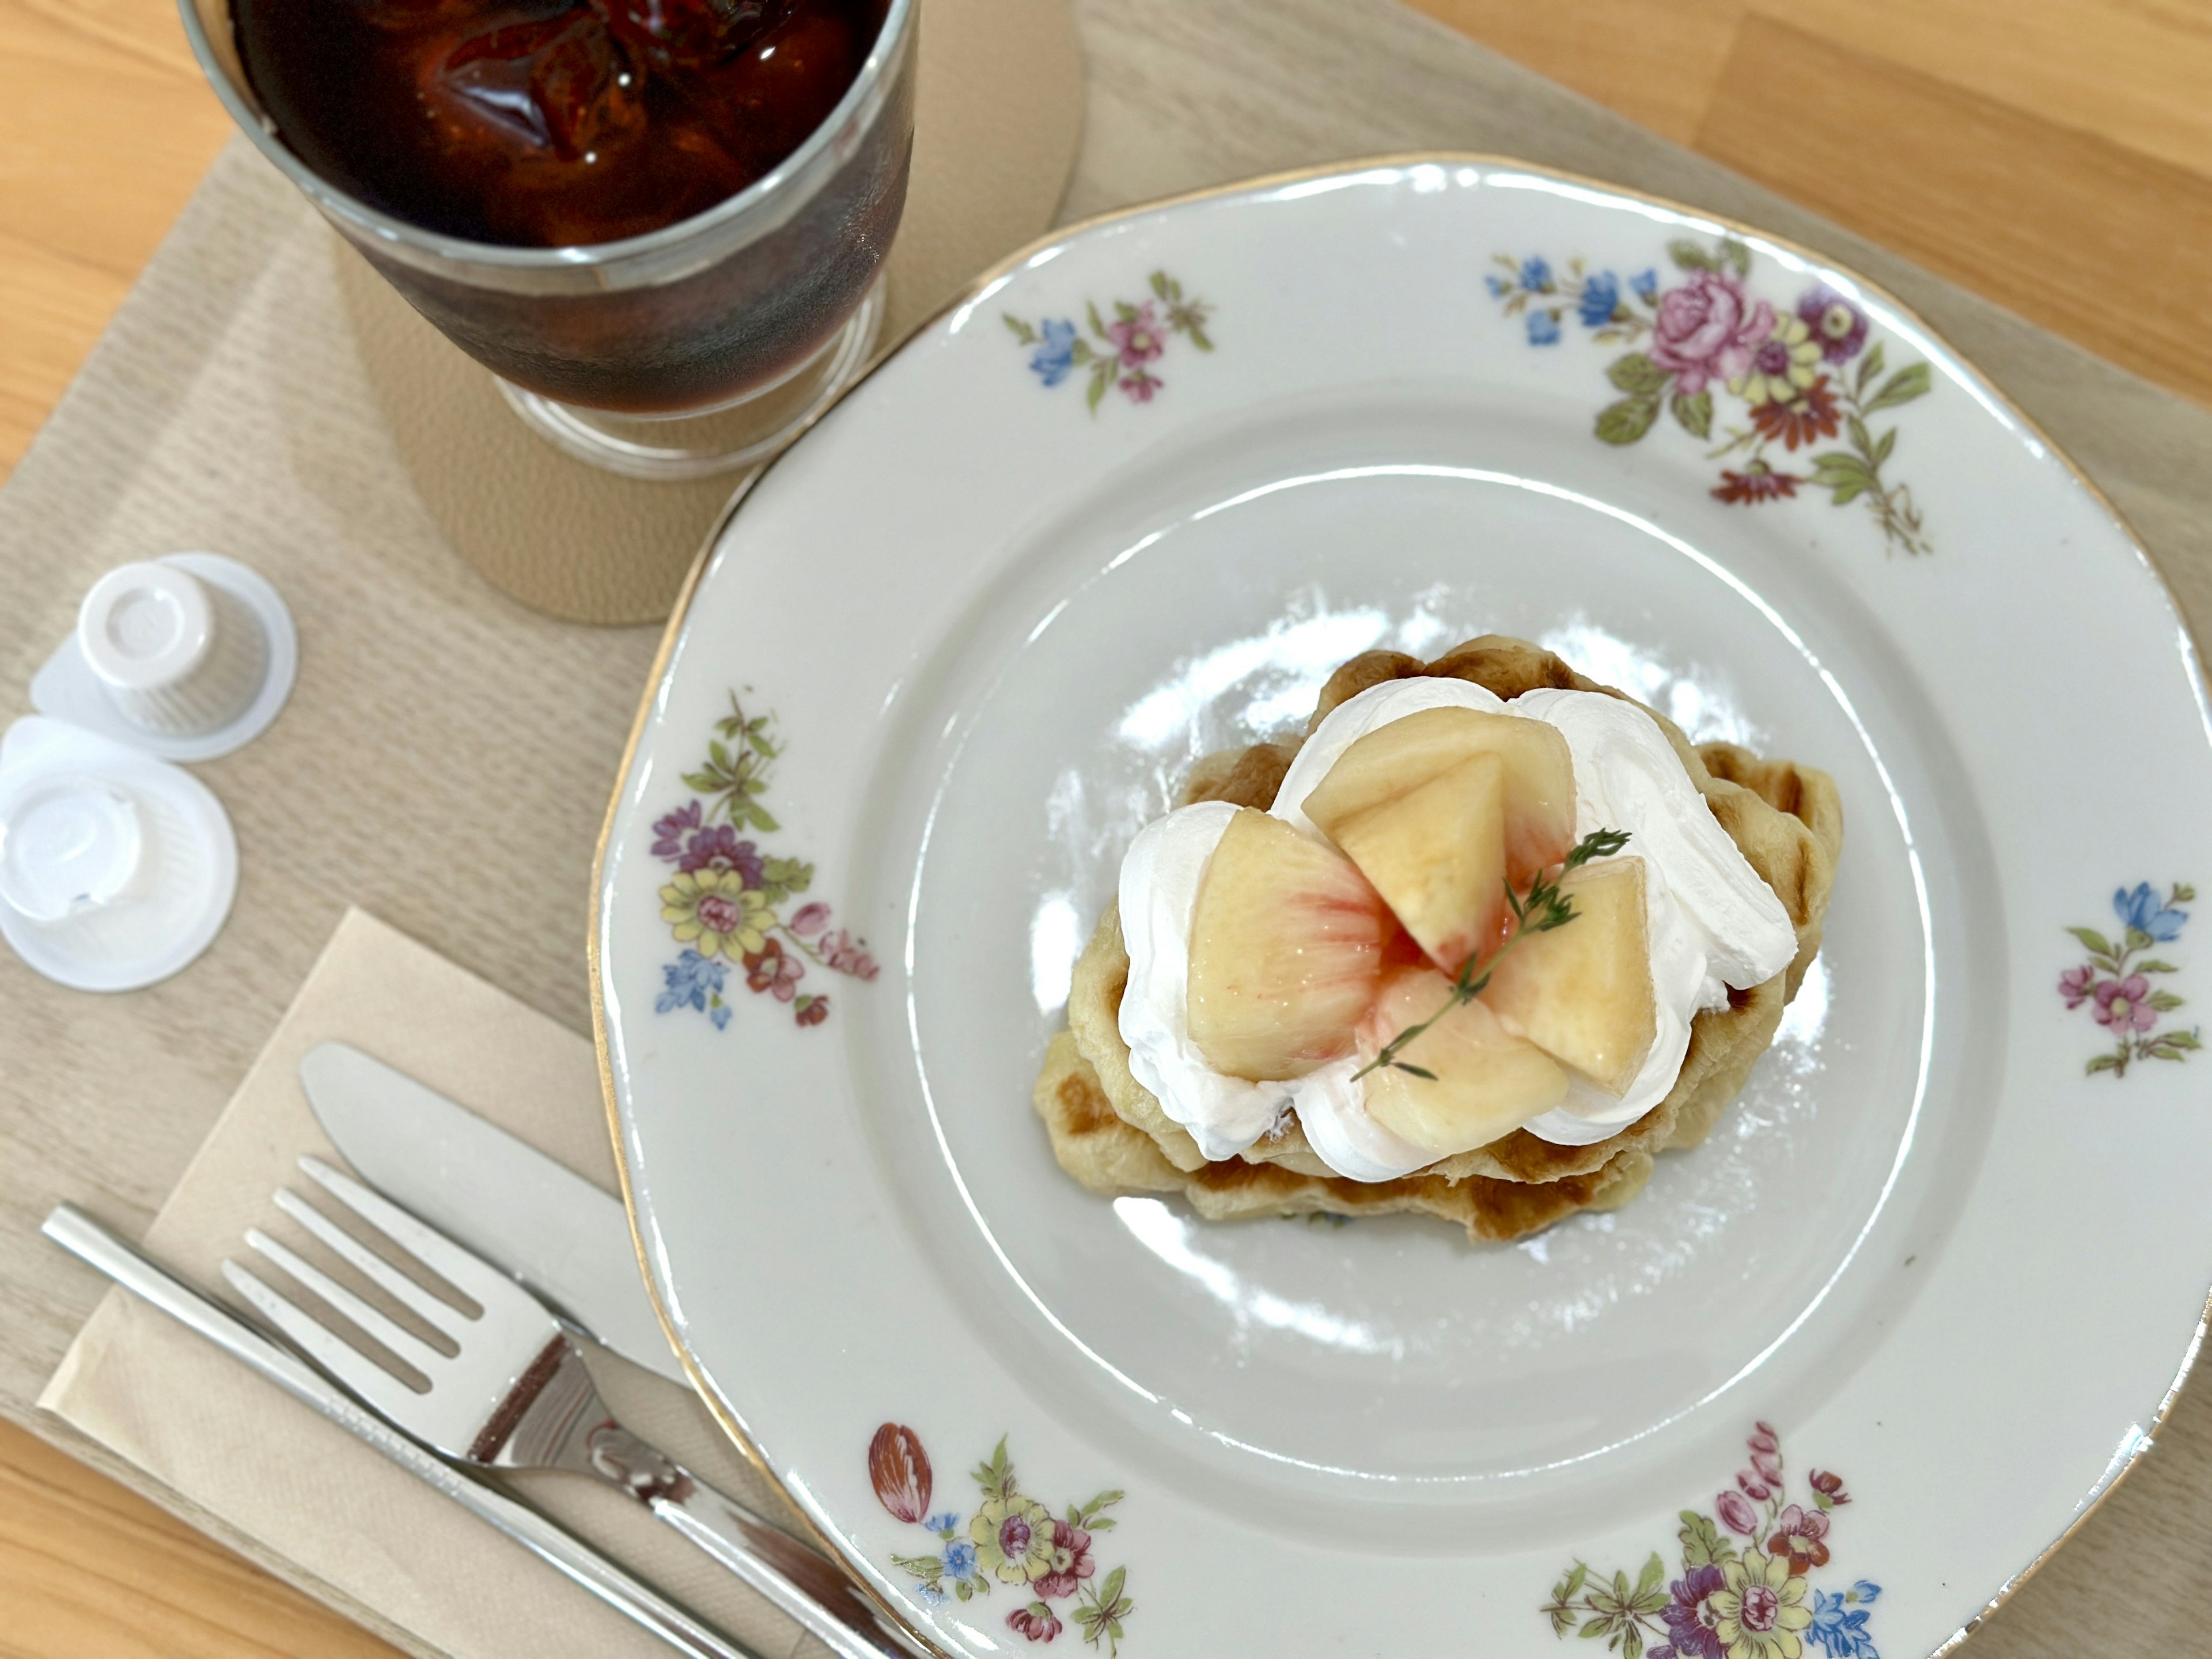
column 1110, row 1134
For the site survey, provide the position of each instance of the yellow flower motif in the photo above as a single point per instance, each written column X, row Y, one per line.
column 1783, row 368
column 1013, row 1539
column 1759, row 1612
column 716, row 913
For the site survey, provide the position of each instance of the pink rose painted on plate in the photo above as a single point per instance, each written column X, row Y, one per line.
column 1755, row 379
column 1706, row 330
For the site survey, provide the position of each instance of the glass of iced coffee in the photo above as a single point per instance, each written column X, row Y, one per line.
column 660, row 223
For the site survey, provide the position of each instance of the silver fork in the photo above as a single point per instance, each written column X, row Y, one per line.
column 516, row 1396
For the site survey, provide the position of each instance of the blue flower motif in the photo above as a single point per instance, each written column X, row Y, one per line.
column 1543, row 328
column 1057, row 354
column 2141, row 910
column 960, row 1558
column 944, row 1525
column 1838, row 1632
column 1601, row 297
column 933, row 1595
column 1646, row 284
column 1497, row 285
column 1536, row 274
column 692, row 980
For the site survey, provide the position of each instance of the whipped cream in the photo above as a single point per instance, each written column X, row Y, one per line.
column 1713, row 924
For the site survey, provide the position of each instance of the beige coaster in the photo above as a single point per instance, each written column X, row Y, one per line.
column 999, row 111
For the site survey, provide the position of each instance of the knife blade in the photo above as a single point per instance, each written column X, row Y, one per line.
column 565, row 1238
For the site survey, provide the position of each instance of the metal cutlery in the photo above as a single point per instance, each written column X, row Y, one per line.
column 90, row 1241
column 565, row 1238
column 514, row 1395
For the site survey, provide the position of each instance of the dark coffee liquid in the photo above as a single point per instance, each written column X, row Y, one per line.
column 546, row 123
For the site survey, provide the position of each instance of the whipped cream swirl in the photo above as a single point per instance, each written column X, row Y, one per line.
column 1713, row 924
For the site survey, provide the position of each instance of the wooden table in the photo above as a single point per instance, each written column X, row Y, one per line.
column 2054, row 156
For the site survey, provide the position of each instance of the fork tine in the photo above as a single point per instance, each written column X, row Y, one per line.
column 469, row 1275
column 438, row 1315
column 355, row 1370
column 402, row 1342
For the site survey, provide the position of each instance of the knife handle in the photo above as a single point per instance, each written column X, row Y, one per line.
column 800, row 1581
column 88, row 1241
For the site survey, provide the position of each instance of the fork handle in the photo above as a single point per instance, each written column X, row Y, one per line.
column 805, row 1585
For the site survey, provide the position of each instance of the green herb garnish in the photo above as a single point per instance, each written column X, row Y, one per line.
column 1539, row 910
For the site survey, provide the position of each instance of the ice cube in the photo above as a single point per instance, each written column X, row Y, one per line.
column 691, row 33
column 563, row 86
column 764, row 101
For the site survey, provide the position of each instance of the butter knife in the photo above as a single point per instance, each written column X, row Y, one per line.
column 565, row 1238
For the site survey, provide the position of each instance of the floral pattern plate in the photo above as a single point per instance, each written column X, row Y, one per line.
column 1131, row 500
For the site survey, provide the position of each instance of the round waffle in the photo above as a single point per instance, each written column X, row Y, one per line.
column 1109, row 1133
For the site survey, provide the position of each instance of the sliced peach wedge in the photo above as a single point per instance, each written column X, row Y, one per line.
column 1437, row 854
column 1583, row 993
column 1484, row 1082
column 1445, row 808
column 1288, row 944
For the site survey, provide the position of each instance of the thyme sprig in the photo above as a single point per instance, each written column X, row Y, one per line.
column 1541, row 908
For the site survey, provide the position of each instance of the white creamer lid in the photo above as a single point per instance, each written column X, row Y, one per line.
column 146, row 626
column 187, row 656
column 116, row 869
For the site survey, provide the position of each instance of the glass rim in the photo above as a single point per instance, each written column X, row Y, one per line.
column 861, row 100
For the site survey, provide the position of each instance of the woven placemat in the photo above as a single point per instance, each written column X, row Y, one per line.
column 445, row 758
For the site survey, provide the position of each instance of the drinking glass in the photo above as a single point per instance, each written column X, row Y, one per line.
column 695, row 349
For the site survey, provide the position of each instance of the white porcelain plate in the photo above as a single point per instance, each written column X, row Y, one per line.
column 1836, row 1378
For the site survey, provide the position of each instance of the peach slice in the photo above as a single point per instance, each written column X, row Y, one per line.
column 1437, row 854
column 1286, row 948
column 1583, row 993
column 1487, row 1082
column 1395, row 759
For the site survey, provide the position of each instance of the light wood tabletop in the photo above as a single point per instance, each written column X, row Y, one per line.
column 2054, row 155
